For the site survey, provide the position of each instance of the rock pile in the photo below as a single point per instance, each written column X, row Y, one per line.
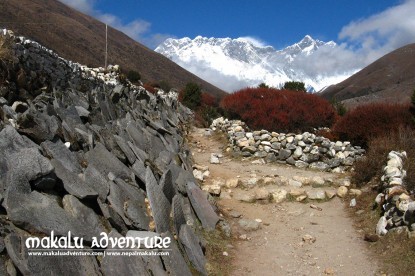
column 397, row 205
column 305, row 150
column 83, row 150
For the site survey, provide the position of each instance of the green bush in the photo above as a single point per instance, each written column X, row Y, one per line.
column 192, row 95
column 263, row 85
column 133, row 76
column 340, row 107
column 295, row 86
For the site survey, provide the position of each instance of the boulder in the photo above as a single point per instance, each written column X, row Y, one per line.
column 316, row 194
column 279, row 195
column 214, row 159
column 284, row 154
column 321, row 166
column 342, row 191
column 249, row 224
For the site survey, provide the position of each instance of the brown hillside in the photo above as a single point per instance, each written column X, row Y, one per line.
column 81, row 38
column 389, row 79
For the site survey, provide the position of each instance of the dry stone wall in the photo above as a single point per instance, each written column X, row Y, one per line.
column 305, row 150
column 83, row 150
column 397, row 205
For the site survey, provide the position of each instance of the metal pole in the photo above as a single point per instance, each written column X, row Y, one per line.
column 106, row 45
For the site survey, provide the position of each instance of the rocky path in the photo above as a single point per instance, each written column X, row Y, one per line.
column 276, row 228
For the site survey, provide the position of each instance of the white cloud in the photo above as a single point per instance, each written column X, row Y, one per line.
column 364, row 41
column 381, row 33
column 139, row 30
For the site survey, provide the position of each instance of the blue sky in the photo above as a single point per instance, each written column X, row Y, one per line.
column 271, row 22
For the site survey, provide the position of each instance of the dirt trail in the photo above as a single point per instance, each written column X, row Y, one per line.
column 277, row 248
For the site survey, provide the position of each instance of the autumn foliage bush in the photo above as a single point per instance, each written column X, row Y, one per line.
column 279, row 110
column 150, row 88
column 366, row 122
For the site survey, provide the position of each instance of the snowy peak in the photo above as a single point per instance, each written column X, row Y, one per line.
column 307, row 46
column 235, row 63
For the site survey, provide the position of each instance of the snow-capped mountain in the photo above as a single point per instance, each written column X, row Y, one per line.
column 232, row 64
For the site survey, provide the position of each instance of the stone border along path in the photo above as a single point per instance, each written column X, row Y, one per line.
column 285, row 220
column 305, row 150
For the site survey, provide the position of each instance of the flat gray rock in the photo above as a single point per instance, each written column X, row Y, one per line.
column 38, row 126
column 137, row 135
column 174, row 262
column 163, row 160
column 106, row 162
column 36, row 212
column 57, row 150
column 316, row 194
column 249, row 224
column 139, row 170
column 72, row 183
column 191, row 244
column 53, row 265
column 85, row 216
column 113, row 217
column 178, row 215
column 202, row 207
column 160, row 205
column 125, row 148
column 155, row 147
column 96, row 181
column 23, row 166
column 128, row 202
column 166, row 183
column 183, row 178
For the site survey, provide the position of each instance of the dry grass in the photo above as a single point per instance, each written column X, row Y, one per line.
column 5, row 51
column 216, row 244
column 371, row 166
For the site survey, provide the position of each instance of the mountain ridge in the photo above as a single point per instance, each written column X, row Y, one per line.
column 240, row 61
column 388, row 79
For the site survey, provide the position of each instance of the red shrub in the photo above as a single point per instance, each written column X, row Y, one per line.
column 279, row 110
column 369, row 121
column 150, row 88
column 208, row 100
